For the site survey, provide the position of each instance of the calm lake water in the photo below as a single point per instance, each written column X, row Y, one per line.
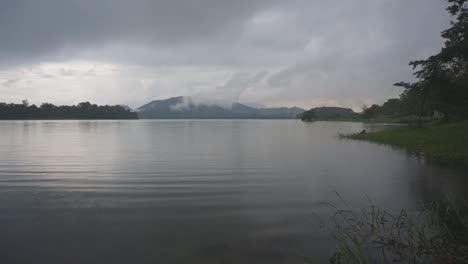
column 193, row 191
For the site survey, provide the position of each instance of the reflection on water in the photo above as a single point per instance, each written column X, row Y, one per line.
column 197, row 191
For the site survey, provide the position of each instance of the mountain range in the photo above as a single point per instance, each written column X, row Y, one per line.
column 184, row 107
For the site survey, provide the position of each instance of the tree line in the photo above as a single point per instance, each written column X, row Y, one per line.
column 83, row 110
column 441, row 86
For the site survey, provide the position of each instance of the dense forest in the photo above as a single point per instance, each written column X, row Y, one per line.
column 83, row 110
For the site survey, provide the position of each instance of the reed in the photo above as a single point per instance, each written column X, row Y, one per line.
column 436, row 234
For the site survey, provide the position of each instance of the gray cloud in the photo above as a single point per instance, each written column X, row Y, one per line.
column 260, row 50
column 10, row 82
column 48, row 27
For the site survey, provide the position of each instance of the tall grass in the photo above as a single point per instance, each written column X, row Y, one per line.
column 436, row 234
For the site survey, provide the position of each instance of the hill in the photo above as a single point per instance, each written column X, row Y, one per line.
column 326, row 113
column 195, row 108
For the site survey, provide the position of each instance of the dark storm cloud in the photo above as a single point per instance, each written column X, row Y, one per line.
column 302, row 49
column 33, row 28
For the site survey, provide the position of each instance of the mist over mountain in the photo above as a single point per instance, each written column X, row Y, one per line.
column 184, row 107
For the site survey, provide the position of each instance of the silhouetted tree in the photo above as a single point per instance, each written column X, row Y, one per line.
column 308, row 116
column 443, row 78
column 372, row 112
column 83, row 110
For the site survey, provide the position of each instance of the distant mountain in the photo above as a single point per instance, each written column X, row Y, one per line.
column 323, row 113
column 194, row 108
column 254, row 105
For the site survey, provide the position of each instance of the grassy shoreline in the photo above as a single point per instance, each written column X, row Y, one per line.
column 448, row 142
column 409, row 119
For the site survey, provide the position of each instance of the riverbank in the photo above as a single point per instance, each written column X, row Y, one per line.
column 410, row 119
column 440, row 141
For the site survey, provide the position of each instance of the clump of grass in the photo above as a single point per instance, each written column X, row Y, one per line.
column 437, row 234
column 440, row 141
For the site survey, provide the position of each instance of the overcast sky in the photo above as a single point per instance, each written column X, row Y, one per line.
column 291, row 52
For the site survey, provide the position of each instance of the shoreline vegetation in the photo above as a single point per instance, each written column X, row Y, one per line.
column 435, row 104
column 441, row 141
column 82, row 111
column 435, row 234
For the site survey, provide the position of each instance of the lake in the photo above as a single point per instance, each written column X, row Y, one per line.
column 194, row 191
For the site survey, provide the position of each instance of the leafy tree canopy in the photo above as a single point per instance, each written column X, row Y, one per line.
column 83, row 110
column 442, row 79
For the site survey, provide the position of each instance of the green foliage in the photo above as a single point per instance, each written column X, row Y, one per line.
column 371, row 112
column 83, row 110
column 442, row 79
column 442, row 83
column 441, row 141
column 396, row 110
column 329, row 113
column 308, row 116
